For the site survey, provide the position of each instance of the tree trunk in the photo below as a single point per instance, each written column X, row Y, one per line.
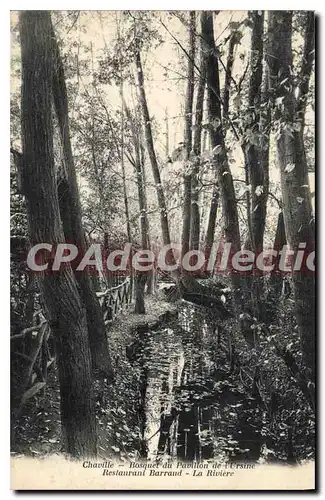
column 252, row 146
column 195, row 209
column 209, row 237
column 139, row 179
column 279, row 241
column 166, row 134
column 297, row 210
column 306, row 66
column 276, row 277
column 151, row 275
column 224, row 177
column 125, row 195
column 153, row 160
column 70, row 210
column 141, row 277
column 234, row 39
column 64, row 310
column 188, row 138
column 140, row 283
column 256, row 149
column 224, row 183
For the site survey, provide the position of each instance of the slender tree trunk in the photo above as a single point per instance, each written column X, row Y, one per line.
column 153, row 160
column 144, row 230
column 64, row 309
column 70, row 210
column 224, row 177
column 209, row 237
column 126, row 206
column 141, row 277
column 151, row 275
column 276, row 278
column 306, row 66
column 125, row 194
column 166, row 134
column 195, row 208
column 265, row 129
column 188, row 138
column 234, row 40
column 297, row 210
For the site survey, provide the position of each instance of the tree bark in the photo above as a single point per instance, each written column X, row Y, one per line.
column 151, row 277
column 141, row 277
column 234, row 39
column 70, row 210
column 153, row 160
column 276, row 277
column 253, row 143
column 64, row 309
column 297, row 210
column 197, row 139
column 256, row 152
column 306, row 66
column 139, row 179
column 209, row 237
column 188, row 138
column 139, row 285
column 224, row 177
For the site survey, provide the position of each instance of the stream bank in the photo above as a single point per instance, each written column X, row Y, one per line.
column 181, row 393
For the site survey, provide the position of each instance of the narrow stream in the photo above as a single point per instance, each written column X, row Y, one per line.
column 193, row 403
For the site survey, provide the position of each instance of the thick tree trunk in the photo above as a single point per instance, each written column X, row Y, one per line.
column 140, row 283
column 188, row 138
column 64, row 309
column 224, row 176
column 256, row 149
column 297, row 210
column 70, row 210
column 253, row 144
column 153, row 160
column 195, row 208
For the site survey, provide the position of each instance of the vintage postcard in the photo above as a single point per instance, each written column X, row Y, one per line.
column 162, row 250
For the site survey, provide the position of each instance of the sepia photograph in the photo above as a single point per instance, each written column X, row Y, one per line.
column 162, row 250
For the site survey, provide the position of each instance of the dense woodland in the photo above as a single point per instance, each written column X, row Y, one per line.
column 154, row 128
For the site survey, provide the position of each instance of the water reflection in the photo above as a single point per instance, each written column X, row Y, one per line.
column 193, row 405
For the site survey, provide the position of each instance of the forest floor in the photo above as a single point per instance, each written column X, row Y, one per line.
column 120, row 410
column 127, row 323
column 38, row 431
